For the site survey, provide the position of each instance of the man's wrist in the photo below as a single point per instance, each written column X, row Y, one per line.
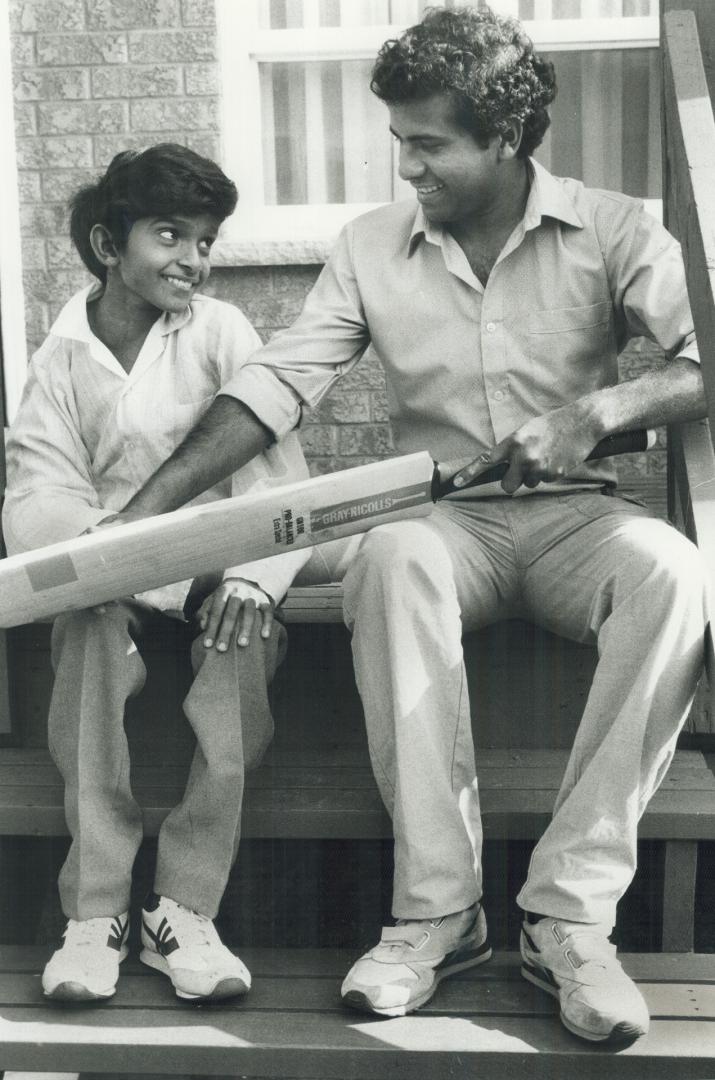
column 591, row 413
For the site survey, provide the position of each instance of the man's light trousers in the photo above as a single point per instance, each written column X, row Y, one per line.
column 592, row 567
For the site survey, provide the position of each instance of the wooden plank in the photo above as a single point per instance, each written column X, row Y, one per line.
column 331, row 963
column 690, row 149
column 314, row 604
column 335, row 801
column 224, row 1041
column 330, row 753
column 304, row 774
column 689, row 190
column 40, row 1076
column 681, row 864
column 496, row 768
column 489, row 998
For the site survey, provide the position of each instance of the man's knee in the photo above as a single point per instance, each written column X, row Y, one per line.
column 671, row 572
column 403, row 558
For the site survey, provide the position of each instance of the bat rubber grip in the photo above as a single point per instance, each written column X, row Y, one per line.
column 625, row 442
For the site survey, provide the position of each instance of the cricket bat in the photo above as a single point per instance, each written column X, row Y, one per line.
column 146, row 554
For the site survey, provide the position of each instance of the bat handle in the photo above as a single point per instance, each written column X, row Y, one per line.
column 625, row 442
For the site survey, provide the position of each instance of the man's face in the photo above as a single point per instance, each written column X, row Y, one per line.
column 166, row 260
column 454, row 177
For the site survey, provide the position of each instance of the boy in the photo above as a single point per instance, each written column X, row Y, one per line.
column 128, row 367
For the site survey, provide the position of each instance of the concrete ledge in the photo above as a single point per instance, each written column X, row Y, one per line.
column 268, row 252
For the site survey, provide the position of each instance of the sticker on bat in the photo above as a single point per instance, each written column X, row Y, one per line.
column 327, row 517
column 49, row 573
column 288, row 526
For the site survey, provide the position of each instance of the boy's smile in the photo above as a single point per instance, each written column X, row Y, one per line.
column 164, row 261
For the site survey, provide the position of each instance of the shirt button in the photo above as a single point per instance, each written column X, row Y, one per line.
column 498, row 395
column 491, row 327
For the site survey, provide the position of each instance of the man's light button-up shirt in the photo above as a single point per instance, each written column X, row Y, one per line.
column 467, row 364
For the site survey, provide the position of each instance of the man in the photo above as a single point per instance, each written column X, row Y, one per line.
column 498, row 307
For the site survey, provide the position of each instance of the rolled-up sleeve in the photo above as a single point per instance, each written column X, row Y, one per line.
column 646, row 264
column 300, row 364
column 50, row 494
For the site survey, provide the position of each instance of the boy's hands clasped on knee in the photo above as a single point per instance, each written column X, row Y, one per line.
column 231, row 609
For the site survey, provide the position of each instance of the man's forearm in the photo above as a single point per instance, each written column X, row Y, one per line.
column 668, row 395
column 226, row 438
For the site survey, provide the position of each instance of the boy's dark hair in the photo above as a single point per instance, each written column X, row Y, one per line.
column 485, row 62
column 163, row 180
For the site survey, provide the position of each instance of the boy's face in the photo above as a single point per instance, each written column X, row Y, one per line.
column 454, row 177
column 165, row 260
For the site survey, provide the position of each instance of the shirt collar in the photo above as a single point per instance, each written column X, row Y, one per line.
column 72, row 321
column 547, row 198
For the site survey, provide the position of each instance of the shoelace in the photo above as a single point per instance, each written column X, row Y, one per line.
column 92, row 932
column 191, row 928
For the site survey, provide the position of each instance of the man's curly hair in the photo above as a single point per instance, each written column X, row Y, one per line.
column 483, row 60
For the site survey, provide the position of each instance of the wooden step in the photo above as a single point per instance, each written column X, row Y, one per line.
column 327, row 790
column 485, row 1023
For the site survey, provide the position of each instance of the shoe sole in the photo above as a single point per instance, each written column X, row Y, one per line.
column 76, row 992
column 355, row 999
column 620, row 1034
column 226, row 988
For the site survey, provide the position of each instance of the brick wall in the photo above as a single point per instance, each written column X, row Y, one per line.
column 93, row 77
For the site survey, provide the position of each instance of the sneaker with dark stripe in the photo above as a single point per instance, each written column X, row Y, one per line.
column 86, row 966
column 412, row 958
column 576, row 964
column 185, row 946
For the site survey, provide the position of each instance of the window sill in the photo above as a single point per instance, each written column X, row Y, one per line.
column 260, row 251
column 283, row 235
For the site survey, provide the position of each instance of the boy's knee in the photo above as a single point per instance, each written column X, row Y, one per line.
column 89, row 624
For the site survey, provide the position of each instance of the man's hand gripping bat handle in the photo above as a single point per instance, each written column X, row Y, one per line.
column 626, row 442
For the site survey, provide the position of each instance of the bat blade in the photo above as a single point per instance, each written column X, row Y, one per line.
column 129, row 559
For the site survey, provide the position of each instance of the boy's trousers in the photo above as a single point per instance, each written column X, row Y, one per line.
column 586, row 565
column 98, row 666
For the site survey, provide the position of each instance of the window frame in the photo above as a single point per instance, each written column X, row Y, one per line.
column 305, row 232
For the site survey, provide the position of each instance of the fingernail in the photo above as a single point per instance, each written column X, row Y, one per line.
column 243, row 641
column 221, row 647
column 458, row 481
column 208, row 642
column 265, row 633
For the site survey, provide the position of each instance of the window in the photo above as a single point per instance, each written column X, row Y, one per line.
column 308, row 143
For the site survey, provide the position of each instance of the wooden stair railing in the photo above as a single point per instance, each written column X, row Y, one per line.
column 689, row 211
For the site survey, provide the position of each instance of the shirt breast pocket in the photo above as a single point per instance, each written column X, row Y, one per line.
column 173, row 425
column 570, row 350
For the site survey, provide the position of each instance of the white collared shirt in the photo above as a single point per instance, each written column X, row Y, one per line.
column 88, row 434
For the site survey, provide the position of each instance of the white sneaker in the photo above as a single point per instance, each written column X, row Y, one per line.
column 404, row 970
column 576, row 963
column 185, row 946
column 86, row 966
